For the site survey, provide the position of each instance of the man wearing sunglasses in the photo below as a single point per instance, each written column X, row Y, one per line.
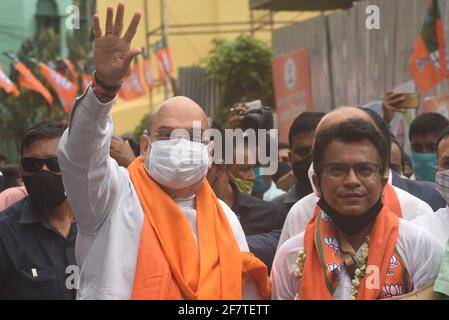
column 38, row 234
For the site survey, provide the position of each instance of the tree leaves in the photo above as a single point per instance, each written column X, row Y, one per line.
column 242, row 68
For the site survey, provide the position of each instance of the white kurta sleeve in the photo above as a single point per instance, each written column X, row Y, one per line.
column 285, row 284
column 92, row 179
column 421, row 252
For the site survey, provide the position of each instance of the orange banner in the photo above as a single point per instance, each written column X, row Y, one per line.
column 132, row 87
column 428, row 62
column 292, row 87
column 64, row 88
column 29, row 81
column 6, row 83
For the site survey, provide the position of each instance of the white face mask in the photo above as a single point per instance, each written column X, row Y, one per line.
column 442, row 184
column 177, row 164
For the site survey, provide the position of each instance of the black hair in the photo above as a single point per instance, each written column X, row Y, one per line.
column 3, row 158
column 135, row 147
column 11, row 174
column 43, row 130
column 396, row 142
column 444, row 134
column 283, row 145
column 351, row 130
column 305, row 122
column 428, row 123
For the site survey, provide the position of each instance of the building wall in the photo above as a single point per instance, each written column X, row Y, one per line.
column 187, row 50
column 18, row 22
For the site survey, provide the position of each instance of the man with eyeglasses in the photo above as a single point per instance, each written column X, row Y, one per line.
column 155, row 230
column 38, row 233
column 399, row 201
column 354, row 247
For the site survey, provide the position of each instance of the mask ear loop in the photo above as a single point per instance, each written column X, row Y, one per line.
column 146, row 155
column 210, row 150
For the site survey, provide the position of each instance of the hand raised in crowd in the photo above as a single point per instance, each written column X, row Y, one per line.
column 235, row 119
column 390, row 104
column 113, row 55
column 121, row 151
column 287, row 181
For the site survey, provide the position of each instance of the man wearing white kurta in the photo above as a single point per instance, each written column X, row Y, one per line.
column 438, row 223
column 351, row 207
column 301, row 212
column 421, row 255
column 104, row 200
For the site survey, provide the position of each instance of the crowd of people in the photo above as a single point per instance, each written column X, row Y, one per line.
column 348, row 214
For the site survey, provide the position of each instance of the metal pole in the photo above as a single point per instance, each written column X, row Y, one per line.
column 164, row 28
column 147, row 43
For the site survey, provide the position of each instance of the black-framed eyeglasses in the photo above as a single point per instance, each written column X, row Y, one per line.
column 363, row 170
column 168, row 135
column 33, row 165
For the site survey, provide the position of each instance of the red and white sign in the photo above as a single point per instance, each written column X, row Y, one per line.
column 293, row 90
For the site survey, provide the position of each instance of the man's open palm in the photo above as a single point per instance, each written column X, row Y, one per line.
column 113, row 55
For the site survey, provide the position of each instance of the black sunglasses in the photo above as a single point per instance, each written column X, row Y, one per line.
column 35, row 164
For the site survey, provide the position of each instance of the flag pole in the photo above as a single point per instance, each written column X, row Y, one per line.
column 147, row 42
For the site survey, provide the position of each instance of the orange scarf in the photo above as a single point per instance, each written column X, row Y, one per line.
column 213, row 272
column 391, row 201
column 321, row 270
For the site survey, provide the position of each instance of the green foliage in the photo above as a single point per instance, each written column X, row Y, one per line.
column 18, row 114
column 242, row 69
column 141, row 128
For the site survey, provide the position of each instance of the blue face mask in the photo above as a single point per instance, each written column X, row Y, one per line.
column 424, row 165
column 259, row 184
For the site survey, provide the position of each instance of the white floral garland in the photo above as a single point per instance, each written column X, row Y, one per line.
column 358, row 275
column 360, row 271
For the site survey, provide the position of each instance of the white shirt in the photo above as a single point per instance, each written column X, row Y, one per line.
column 107, row 208
column 437, row 224
column 421, row 254
column 302, row 211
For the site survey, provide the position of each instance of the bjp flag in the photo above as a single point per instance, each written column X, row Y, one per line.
column 164, row 61
column 72, row 70
column 29, row 81
column 132, row 87
column 64, row 88
column 428, row 65
column 6, row 84
column 148, row 73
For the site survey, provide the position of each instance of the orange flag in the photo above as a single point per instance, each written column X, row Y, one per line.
column 148, row 72
column 64, row 88
column 164, row 60
column 132, row 87
column 428, row 64
column 72, row 70
column 29, row 81
column 6, row 83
